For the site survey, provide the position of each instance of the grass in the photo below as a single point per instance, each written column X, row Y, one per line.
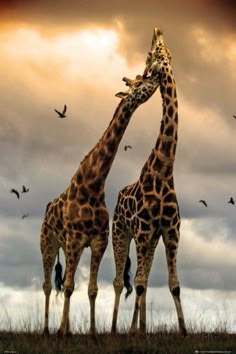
column 161, row 342
column 24, row 336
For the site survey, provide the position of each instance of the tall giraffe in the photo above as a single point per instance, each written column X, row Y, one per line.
column 78, row 218
column 148, row 209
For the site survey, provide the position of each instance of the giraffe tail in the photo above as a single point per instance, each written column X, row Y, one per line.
column 127, row 278
column 58, row 275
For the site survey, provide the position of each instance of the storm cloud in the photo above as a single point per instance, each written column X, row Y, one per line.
column 77, row 55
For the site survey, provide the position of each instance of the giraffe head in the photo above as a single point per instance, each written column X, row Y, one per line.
column 159, row 55
column 140, row 89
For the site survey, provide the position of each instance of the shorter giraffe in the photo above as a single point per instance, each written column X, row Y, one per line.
column 79, row 218
column 148, row 209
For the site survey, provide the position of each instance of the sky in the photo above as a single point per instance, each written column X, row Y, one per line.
column 76, row 54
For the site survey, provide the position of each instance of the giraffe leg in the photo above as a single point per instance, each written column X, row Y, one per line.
column 98, row 246
column 49, row 248
column 140, row 302
column 121, row 244
column 171, row 245
column 149, row 260
column 142, row 317
column 72, row 260
column 140, row 278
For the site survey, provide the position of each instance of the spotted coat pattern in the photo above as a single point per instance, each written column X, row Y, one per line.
column 148, row 209
column 78, row 218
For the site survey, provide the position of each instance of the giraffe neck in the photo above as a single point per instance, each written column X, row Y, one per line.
column 161, row 160
column 96, row 165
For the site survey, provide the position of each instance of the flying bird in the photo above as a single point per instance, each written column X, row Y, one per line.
column 24, row 216
column 203, row 202
column 16, row 192
column 61, row 114
column 126, row 147
column 24, row 189
column 231, row 201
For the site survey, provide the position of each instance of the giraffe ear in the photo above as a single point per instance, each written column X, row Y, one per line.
column 122, row 94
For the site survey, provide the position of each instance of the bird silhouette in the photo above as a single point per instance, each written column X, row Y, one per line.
column 234, row 116
column 61, row 114
column 126, row 147
column 24, row 216
column 16, row 192
column 231, row 201
column 203, row 202
column 24, row 189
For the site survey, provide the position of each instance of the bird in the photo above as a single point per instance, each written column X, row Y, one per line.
column 61, row 114
column 16, row 192
column 126, row 147
column 203, row 202
column 231, row 201
column 24, row 189
column 234, row 116
column 24, row 216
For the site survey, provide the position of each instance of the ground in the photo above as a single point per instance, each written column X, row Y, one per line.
column 160, row 342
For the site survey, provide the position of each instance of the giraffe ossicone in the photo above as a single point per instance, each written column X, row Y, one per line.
column 140, row 85
column 158, row 55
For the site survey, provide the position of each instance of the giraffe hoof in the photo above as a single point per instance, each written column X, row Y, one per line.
column 93, row 337
column 142, row 330
column 113, row 331
column 142, row 334
column 45, row 332
column 132, row 332
column 61, row 334
column 92, row 333
column 184, row 332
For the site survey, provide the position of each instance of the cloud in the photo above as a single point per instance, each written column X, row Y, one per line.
column 205, row 258
column 203, row 310
column 52, row 73
column 215, row 49
column 208, row 260
column 20, row 257
column 72, row 9
column 78, row 56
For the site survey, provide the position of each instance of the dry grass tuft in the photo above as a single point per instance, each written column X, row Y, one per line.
column 158, row 342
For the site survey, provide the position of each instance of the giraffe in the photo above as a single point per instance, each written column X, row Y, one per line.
column 148, row 209
column 78, row 218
